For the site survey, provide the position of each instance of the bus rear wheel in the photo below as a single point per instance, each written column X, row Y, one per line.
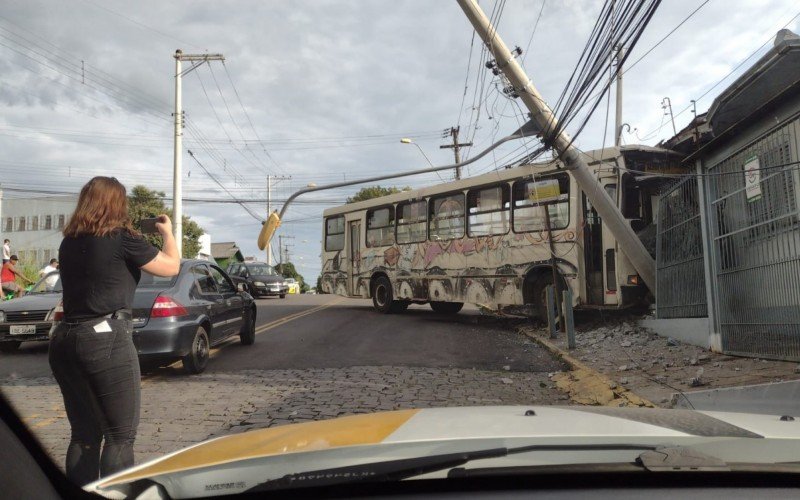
column 447, row 307
column 383, row 296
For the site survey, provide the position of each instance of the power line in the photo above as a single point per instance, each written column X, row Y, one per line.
column 140, row 24
column 246, row 114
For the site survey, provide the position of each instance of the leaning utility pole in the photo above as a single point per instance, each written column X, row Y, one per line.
column 666, row 105
column 618, row 121
column 177, row 179
column 456, row 147
column 572, row 159
column 269, row 206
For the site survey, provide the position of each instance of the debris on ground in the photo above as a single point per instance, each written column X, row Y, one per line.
column 650, row 366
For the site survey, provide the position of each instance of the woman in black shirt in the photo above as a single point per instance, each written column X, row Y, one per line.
column 91, row 351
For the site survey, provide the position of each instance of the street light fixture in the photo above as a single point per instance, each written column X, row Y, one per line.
column 406, row 140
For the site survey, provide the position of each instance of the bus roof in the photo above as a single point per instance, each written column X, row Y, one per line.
column 592, row 157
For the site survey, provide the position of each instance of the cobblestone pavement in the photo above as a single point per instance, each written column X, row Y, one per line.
column 181, row 410
column 656, row 367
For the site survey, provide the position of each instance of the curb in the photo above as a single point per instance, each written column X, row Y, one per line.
column 584, row 384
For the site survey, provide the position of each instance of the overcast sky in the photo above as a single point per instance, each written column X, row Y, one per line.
column 319, row 91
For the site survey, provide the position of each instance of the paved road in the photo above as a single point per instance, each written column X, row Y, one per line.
column 314, row 357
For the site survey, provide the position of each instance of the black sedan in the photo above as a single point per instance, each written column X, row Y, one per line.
column 260, row 278
column 184, row 316
column 30, row 317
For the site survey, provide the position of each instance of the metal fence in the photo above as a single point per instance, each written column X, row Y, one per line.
column 680, row 277
column 755, row 236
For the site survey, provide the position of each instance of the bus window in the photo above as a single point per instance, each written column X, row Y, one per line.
column 334, row 233
column 530, row 198
column 488, row 210
column 447, row 217
column 411, row 221
column 380, row 227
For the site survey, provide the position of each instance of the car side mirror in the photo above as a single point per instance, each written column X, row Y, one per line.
column 241, row 287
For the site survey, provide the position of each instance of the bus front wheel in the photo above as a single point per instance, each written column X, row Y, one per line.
column 382, row 295
column 540, row 295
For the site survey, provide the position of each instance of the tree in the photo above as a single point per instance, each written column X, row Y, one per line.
column 144, row 203
column 369, row 192
column 288, row 270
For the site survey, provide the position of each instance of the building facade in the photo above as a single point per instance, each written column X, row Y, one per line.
column 741, row 213
column 34, row 225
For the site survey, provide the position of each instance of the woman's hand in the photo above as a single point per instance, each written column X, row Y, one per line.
column 164, row 225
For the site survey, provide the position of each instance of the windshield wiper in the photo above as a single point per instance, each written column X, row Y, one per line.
column 396, row 470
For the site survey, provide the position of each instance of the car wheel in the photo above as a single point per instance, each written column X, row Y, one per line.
column 197, row 359
column 447, row 307
column 283, row 295
column 10, row 346
column 247, row 335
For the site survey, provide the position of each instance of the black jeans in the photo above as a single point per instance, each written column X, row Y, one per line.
column 99, row 376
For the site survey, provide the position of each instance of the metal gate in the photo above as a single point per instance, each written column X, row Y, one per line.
column 680, row 277
column 755, row 234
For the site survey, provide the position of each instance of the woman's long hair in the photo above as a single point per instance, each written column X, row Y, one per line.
column 102, row 208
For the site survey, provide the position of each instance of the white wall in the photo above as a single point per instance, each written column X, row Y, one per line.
column 35, row 245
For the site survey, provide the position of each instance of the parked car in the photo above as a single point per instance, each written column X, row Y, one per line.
column 182, row 317
column 29, row 317
column 259, row 278
column 294, row 286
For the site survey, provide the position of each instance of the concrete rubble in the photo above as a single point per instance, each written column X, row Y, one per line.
column 627, row 358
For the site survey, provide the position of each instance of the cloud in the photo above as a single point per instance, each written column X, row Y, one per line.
column 307, row 71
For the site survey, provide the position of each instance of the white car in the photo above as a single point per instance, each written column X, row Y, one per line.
column 294, row 286
column 454, row 444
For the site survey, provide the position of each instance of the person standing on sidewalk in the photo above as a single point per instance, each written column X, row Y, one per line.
column 6, row 250
column 91, row 350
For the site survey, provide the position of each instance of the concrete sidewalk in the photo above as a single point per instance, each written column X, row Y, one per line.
column 649, row 366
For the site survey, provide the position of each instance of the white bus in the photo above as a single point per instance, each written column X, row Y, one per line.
column 482, row 240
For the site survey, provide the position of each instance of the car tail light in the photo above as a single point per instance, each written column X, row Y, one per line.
column 58, row 312
column 167, row 307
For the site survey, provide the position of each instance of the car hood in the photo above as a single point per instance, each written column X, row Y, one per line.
column 267, row 278
column 32, row 302
column 239, row 462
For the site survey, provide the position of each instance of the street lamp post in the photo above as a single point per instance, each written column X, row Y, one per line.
column 406, row 140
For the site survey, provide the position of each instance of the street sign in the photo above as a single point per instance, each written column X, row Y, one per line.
column 752, row 179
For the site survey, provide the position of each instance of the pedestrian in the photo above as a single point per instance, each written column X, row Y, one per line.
column 6, row 250
column 9, row 275
column 91, row 350
column 50, row 275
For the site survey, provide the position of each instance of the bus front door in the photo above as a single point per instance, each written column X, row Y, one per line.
column 593, row 253
column 354, row 259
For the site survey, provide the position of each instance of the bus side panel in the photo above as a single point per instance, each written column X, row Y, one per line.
column 334, row 277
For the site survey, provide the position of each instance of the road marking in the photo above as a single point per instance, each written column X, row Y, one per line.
column 292, row 317
column 268, row 326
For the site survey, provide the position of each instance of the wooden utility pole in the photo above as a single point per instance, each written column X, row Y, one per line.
column 456, row 147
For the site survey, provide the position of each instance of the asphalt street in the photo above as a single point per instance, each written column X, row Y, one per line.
column 326, row 331
column 315, row 357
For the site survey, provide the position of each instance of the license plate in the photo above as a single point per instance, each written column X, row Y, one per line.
column 22, row 329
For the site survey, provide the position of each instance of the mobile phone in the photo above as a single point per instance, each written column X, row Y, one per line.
column 149, row 225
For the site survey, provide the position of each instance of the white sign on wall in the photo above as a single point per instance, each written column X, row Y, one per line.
column 752, row 179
